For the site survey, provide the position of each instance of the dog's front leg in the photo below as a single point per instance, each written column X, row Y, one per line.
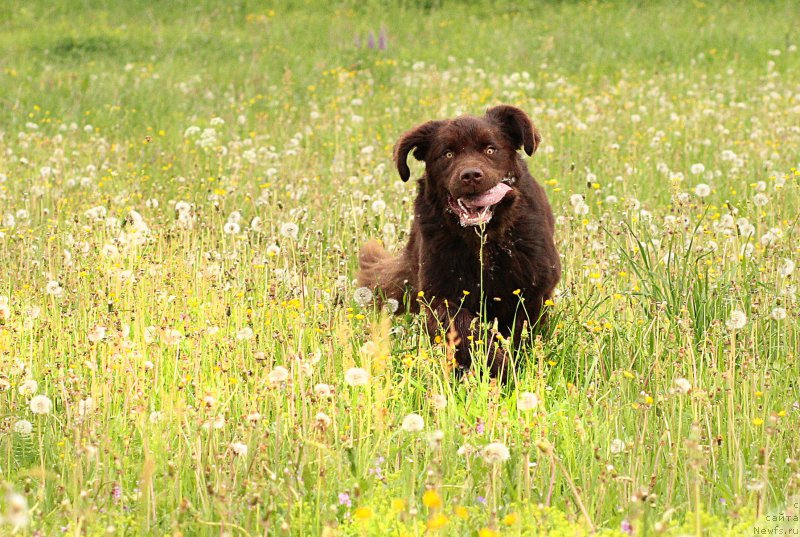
column 458, row 327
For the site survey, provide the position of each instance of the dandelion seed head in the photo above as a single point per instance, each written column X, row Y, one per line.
column 239, row 449
column 683, row 385
column 737, row 320
column 323, row 391
column 495, row 453
column 289, row 230
column 527, row 401
column 41, row 404
column 778, row 314
column 278, row 375
column 702, row 190
column 413, row 423
column 363, row 296
column 23, row 427
column 28, row 387
column 356, row 376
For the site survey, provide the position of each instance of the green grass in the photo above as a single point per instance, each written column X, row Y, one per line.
column 97, row 101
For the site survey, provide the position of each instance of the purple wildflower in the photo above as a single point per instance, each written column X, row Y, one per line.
column 627, row 527
column 344, row 499
column 382, row 43
column 116, row 492
column 371, row 40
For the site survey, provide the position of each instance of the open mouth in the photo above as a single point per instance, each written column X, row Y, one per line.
column 478, row 209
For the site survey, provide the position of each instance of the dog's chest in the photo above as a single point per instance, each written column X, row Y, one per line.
column 494, row 271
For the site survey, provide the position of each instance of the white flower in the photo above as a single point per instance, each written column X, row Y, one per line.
column 278, row 375
column 323, row 391
column 465, row 450
column 323, row 420
column 256, row 224
column 527, row 401
column 155, row 416
column 273, row 250
column 85, row 406
column 183, row 207
column 239, row 449
column 581, row 209
column 438, row 401
column 231, row 228
column 617, row 446
column 702, row 190
column 778, row 314
column 150, row 334
column 760, row 199
column 53, row 288
column 28, row 387
column 172, row 336
column 495, row 453
column 435, row 438
column 356, row 376
column 391, row 305
column 737, row 320
column 378, row 206
column 413, row 423
column 23, row 427
column 787, row 268
column 697, row 169
column 683, row 385
column 98, row 333
column 219, row 422
column 244, row 333
column 17, row 514
column 289, row 230
column 217, row 121
column 576, row 199
column 41, row 404
column 363, row 296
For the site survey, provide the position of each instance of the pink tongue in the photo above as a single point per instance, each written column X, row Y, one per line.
column 490, row 197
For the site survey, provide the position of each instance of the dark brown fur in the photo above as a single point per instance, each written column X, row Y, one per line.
column 443, row 259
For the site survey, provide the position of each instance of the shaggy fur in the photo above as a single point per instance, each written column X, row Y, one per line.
column 466, row 160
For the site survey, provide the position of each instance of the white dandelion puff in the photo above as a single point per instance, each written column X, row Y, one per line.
column 495, row 453
column 363, row 296
column 617, row 446
column 278, row 375
column 413, row 423
column 23, row 427
column 356, row 376
column 41, row 404
column 683, row 385
column 702, row 190
column 737, row 320
column 290, row 230
column 29, row 387
column 527, row 401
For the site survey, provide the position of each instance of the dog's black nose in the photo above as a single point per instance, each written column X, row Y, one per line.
column 471, row 175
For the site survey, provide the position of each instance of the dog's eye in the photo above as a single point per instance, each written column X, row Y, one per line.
column 449, row 154
column 490, row 150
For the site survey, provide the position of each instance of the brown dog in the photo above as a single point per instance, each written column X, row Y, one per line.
column 482, row 239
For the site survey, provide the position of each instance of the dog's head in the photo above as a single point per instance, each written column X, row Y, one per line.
column 471, row 162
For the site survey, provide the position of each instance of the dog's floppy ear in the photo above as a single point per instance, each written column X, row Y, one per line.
column 516, row 126
column 418, row 139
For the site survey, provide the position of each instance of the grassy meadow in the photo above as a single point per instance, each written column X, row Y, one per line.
column 183, row 350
